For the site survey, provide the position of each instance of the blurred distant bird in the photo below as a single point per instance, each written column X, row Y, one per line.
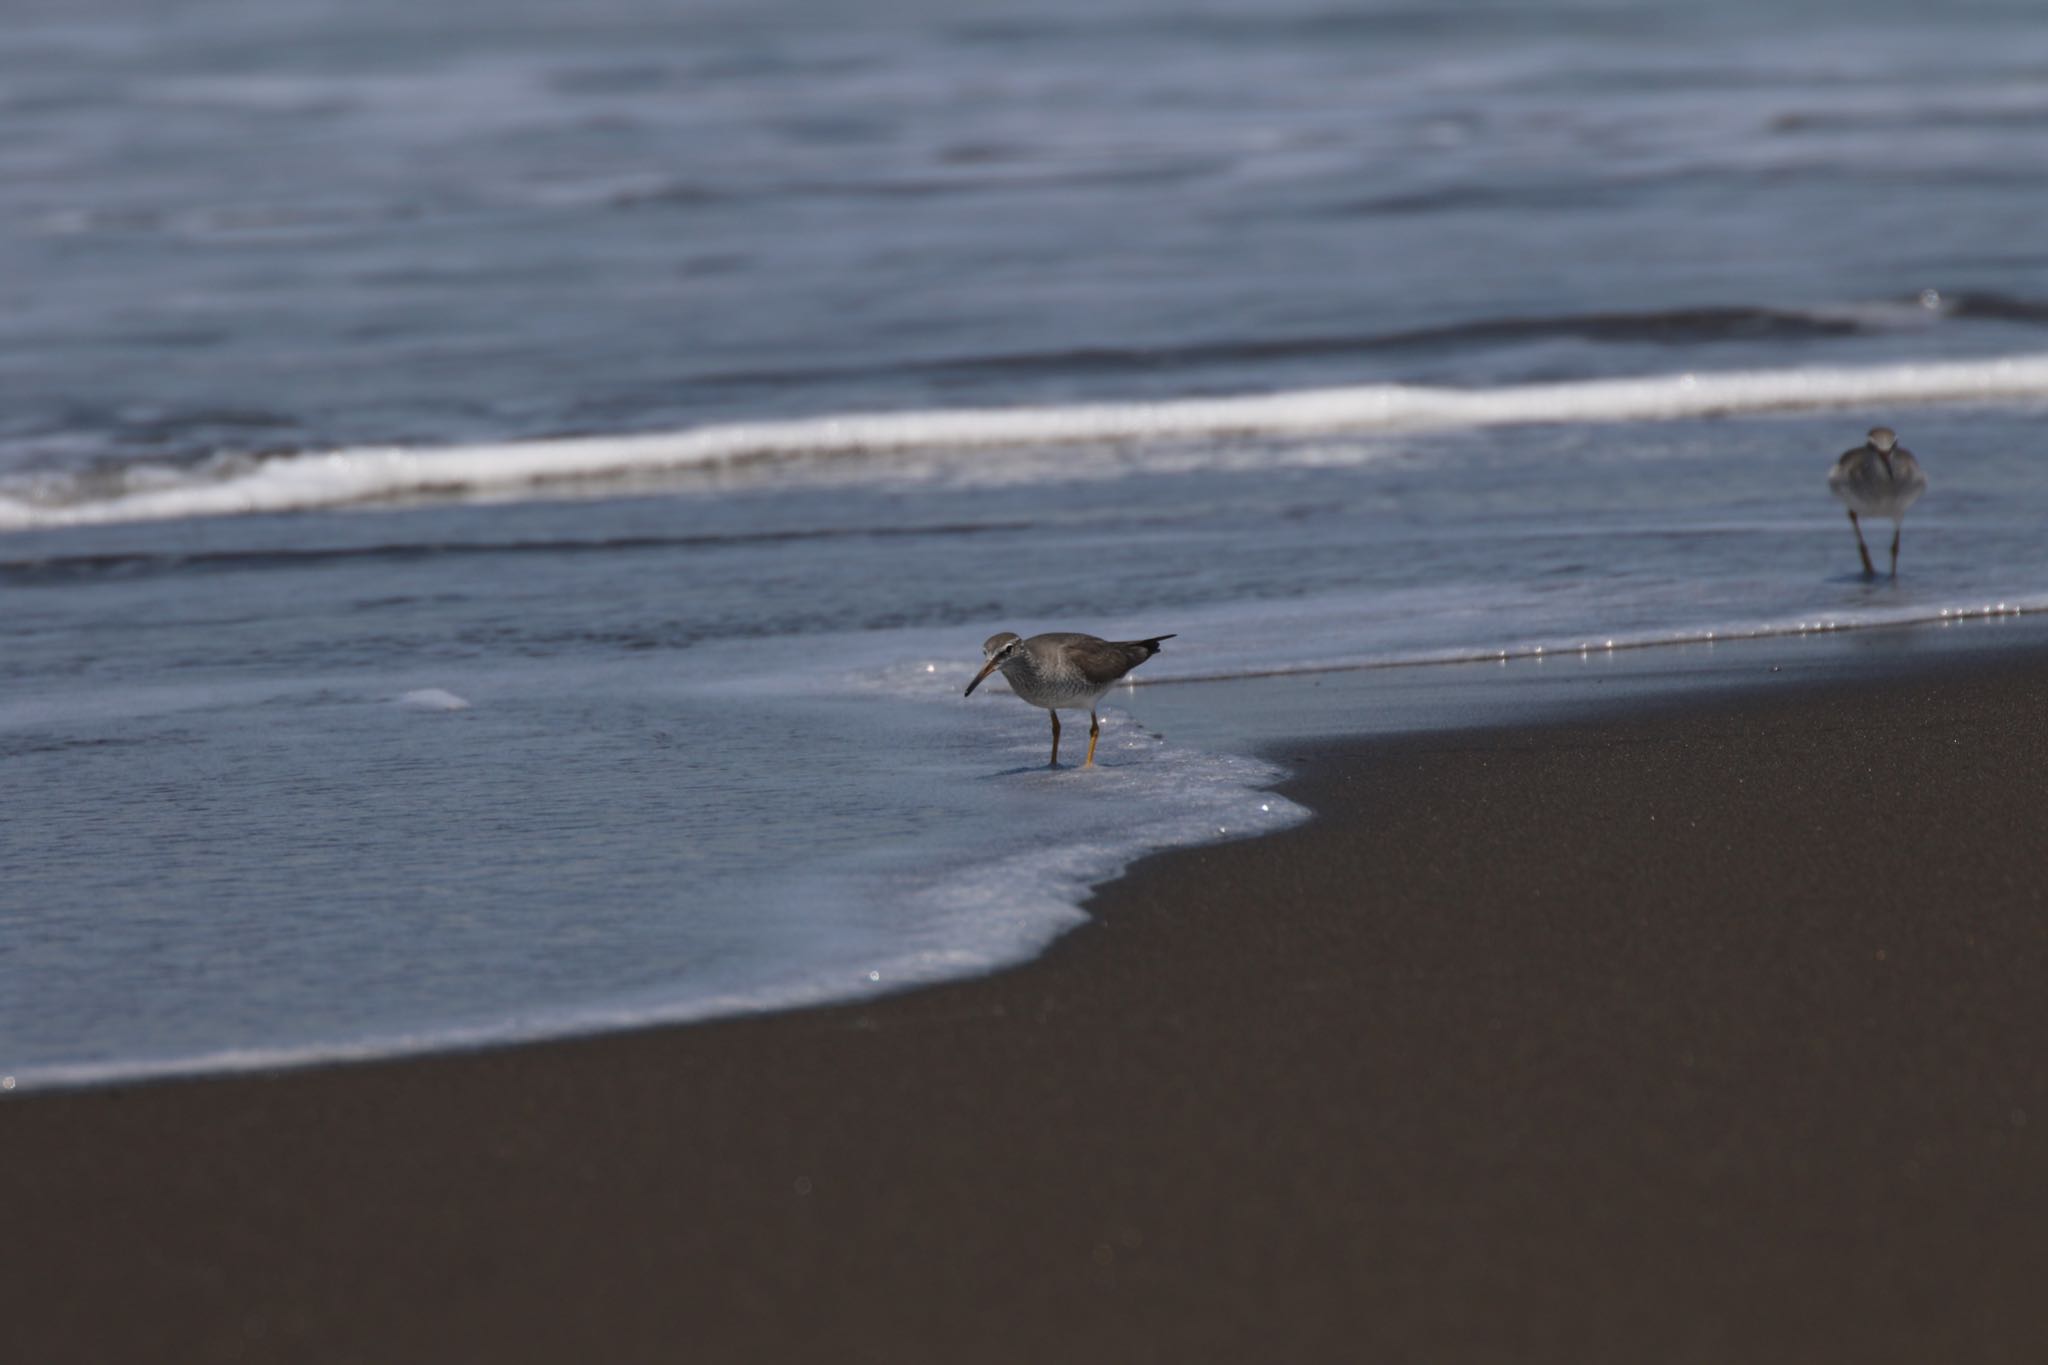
column 1879, row 478
column 1063, row 670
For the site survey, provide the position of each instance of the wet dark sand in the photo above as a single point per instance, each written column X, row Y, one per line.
column 1709, row 1033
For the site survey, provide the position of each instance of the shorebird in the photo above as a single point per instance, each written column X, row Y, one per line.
column 1879, row 478
column 1063, row 669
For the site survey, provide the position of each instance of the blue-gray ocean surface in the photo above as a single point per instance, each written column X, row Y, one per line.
column 498, row 504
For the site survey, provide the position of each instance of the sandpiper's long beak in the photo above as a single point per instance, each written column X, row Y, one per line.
column 986, row 669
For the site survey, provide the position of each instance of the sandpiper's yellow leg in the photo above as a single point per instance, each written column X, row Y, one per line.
column 1055, row 738
column 1869, row 569
column 1094, row 733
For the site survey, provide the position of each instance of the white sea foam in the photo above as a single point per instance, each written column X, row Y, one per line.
column 432, row 699
column 343, row 477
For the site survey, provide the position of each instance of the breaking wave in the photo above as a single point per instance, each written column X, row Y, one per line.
column 297, row 482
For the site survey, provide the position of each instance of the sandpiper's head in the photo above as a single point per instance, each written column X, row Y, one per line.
column 996, row 650
column 1882, row 439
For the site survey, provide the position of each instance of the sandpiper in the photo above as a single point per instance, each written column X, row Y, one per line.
column 1063, row 669
column 1879, row 478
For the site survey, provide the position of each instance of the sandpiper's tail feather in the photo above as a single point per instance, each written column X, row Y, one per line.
column 1150, row 647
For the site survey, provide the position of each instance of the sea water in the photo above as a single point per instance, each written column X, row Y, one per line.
column 498, row 516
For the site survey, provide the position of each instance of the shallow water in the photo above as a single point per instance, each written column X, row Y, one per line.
column 679, row 401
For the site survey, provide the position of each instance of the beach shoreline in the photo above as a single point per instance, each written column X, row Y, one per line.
column 1699, row 1029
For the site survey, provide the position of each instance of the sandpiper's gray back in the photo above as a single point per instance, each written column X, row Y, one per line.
column 1086, row 661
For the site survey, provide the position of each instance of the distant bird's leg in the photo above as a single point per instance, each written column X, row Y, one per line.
column 1869, row 569
column 1897, row 527
column 1055, row 737
column 1094, row 732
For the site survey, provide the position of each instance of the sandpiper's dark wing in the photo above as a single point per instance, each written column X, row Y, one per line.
column 1852, row 468
column 1907, row 474
column 1104, row 661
